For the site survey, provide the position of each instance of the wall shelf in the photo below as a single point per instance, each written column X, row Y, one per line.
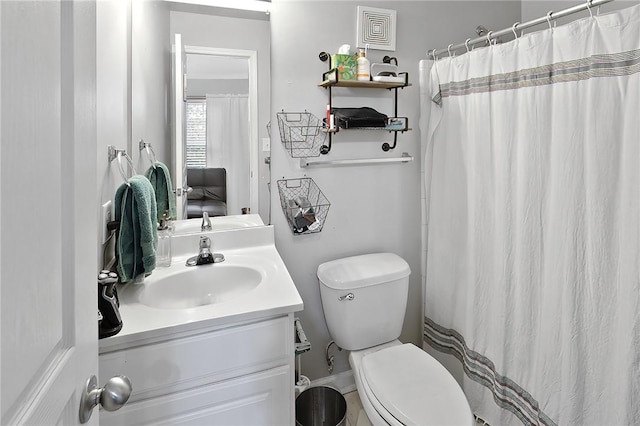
column 368, row 84
column 330, row 79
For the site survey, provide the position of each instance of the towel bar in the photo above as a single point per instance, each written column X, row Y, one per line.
column 404, row 159
column 142, row 145
column 114, row 154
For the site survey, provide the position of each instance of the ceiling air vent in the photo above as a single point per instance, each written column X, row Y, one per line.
column 376, row 28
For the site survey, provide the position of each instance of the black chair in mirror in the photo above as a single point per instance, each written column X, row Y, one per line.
column 209, row 192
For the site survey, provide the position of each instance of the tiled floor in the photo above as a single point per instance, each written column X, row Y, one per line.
column 355, row 413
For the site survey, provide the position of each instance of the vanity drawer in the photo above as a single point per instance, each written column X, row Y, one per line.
column 187, row 362
column 256, row 399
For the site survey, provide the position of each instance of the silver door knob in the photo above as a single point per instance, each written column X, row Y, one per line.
column 112, row 396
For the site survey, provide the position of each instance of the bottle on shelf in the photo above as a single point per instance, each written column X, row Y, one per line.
column 364, row 68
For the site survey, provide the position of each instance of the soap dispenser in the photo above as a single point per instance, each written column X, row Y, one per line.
column 364, row 68
column 163, row 252
column 109, row 319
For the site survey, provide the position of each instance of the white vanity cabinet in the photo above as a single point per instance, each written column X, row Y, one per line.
column 239, row 374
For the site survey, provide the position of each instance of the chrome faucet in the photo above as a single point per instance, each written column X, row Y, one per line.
column 206, row 223
column 205, row 256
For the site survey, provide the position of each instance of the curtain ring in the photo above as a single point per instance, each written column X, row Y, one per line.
column 549, row 13
column 489, row 37
column 514, row 27
column 449, row 49
column 433, row 54
column 589, row 8
column 466, row 44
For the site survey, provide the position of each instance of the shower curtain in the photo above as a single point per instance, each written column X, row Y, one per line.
column 532, row 222
column 228, row 145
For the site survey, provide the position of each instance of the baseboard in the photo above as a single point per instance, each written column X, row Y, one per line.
column 344, row 381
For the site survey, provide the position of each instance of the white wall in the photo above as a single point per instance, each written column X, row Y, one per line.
column 534, row 9
column 373, row 208
column 202, row 87
column 133, row 83
column 150, row 81
column 113, row 75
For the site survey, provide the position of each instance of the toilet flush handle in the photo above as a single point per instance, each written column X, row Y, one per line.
column 349, row 296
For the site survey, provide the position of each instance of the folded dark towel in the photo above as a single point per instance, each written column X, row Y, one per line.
column 160, row 179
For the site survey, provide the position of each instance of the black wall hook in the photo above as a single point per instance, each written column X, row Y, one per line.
column 387, row 59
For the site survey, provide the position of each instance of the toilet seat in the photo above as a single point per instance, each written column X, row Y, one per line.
column 408, row 386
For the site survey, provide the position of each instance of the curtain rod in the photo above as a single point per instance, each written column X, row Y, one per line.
column 518, row 26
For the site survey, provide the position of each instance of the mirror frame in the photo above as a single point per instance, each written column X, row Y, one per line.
column 252, row 57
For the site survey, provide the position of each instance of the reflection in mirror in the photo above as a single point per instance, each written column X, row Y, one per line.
column 218, row 132
column 218, row 223
column 220, row 45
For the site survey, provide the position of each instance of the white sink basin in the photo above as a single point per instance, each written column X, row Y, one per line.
column 190, row 287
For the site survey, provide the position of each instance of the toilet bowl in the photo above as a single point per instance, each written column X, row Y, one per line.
column 364, row 300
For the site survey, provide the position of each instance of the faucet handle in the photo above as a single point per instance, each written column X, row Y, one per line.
column 205, row 242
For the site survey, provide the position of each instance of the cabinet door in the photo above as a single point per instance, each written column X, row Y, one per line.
column 256, row 399
column 179, row 364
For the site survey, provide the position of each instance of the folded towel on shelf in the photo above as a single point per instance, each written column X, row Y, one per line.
column 136, row 210
column 161, row 181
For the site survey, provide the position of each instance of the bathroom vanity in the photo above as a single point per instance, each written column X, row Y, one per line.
column 208, row 354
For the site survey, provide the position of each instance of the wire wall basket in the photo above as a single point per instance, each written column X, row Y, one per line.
column 303, row 204
column 301, row 133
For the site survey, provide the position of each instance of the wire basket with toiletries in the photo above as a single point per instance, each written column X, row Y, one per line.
column 301, row 133
column 304, row 205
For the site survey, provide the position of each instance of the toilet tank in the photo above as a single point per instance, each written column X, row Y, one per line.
column 364, row 298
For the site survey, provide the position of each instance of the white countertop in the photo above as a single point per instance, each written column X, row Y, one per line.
column 276, row 295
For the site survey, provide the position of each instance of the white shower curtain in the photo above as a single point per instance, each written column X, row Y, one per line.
column 228, row 145
column 532, row 222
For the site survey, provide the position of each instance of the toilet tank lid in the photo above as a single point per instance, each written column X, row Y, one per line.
column 362, row 271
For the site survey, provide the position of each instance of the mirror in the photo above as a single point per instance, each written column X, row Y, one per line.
column 223, row 47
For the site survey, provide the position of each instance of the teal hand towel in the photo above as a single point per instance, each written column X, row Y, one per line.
column 161, row 181
column 136, row 210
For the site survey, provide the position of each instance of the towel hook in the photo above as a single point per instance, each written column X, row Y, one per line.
column 117, row 154
column 150, row 152
column 514, row 28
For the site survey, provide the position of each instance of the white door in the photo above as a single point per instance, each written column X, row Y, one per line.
column 48, row 210
column 180, row 127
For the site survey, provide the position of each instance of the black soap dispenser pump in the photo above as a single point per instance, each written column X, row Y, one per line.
column 109, row 320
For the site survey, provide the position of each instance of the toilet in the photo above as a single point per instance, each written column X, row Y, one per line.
column 364, row 300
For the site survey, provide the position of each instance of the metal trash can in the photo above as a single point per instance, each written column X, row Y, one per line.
column 321, row 406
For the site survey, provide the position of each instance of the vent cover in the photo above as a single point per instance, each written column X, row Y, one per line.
column 376, row 28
